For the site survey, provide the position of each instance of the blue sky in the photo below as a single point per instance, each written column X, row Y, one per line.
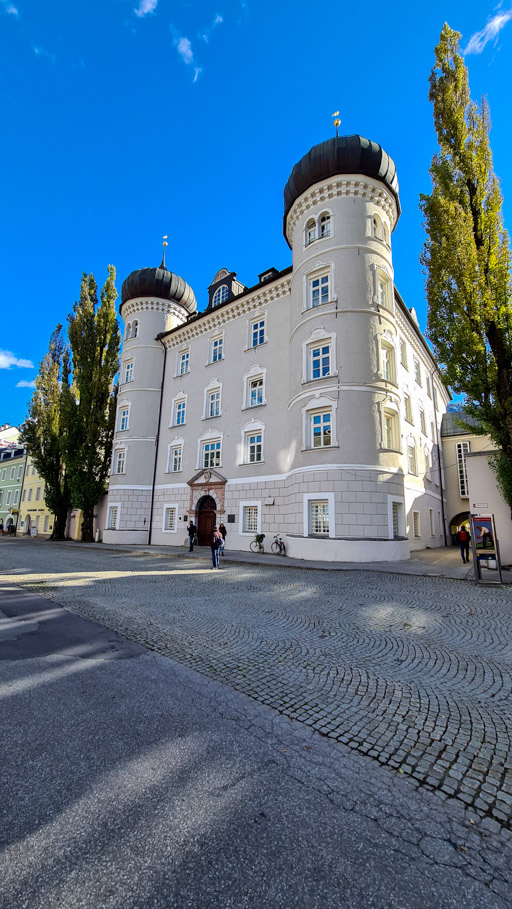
column 124, row 120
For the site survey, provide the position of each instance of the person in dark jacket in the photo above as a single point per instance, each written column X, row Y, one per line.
column 463, row 539
column 191, row 530
column 223, row 532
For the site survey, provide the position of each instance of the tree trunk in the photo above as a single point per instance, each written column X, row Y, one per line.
column 87, row 525
column 59, row 526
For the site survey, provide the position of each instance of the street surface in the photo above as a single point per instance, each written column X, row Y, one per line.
column 369, row 766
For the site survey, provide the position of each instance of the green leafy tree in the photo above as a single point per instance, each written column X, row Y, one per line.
column 44, row 429
column 90, row 394
column 467, row 257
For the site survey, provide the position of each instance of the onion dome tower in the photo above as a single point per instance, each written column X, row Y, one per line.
column 341, row 205
column 153, row 300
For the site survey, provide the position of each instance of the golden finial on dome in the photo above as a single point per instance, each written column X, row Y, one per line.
column 337, row 121
column 164, row 245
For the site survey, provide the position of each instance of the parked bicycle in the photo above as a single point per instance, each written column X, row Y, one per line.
column 256, row 545
column 278, row 546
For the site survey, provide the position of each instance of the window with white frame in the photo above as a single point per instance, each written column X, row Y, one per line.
column 1, row 495
column 38, row 493
column 324, row 225
column 20, row 471
column 132, row 330
column 412, row 464
column 183, row 362
column 24, row 495
column 179, row 412
column 408, row 408
column 4, row 472
column 175, row 458
column 387, row 361
column 319, row 360
column 210, row 453
column 253, row 446
column 33, row 469
column 431, row 522
column 16, row 496
column 321, row 428
column 8, row 499
column 13, row 471
column 428, row 461
column 119, row 461
column 257, row 332
column 319, row 517
column 170, row 523
column 213, row 403
column 46, row 523
column 112, row 517
column 383, row 290
column 30, row 495
column 403, row 354
column 390, row 430
column 250, row 519
column 319, row 290
column 255, row 391
column 220, row 295
column 128, row 331
column 416, row 524
column 124, row 414
column 377, row 227
column 423, row 424
column 428, row 386
column 216, row 349
column 128, row 371
column 310, row 232
column 462, row 449
column 417, row 371
column 386, row 232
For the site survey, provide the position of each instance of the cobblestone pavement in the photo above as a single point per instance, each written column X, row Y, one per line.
column 416, row 673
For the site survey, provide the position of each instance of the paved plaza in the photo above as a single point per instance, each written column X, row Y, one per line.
column 414, row 672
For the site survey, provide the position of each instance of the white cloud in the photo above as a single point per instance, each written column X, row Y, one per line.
column 25, row 384
column 184, row 48
column 7, row 359
column 10, row 8
column 218, row 19
column 197, row 73
column 491, row 31
column 145, row 7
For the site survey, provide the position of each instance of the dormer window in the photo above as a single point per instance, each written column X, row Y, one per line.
column 220, row 295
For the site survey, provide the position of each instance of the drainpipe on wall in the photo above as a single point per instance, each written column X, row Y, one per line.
column 158, row 338
column 439, row 455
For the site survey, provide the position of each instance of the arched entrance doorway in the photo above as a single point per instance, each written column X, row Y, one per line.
column 206, row 520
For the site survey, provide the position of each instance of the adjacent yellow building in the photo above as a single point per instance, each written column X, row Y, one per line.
column 35, row 518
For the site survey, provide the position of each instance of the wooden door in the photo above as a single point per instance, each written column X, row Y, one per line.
column 206, row 520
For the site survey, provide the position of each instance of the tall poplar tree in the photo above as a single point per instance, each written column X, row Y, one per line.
column 44, row 430
column 467, row 257
column 90, row 394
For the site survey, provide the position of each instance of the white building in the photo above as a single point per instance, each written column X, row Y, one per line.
column 307, row 405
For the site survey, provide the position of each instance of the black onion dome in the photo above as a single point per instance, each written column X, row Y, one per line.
column 340, row 155
column 158, row 282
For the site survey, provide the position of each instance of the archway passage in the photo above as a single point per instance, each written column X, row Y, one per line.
column 456, row 521
column 206, row 520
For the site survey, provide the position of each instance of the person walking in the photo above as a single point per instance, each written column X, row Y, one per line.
column 192, row 531
column 223, row 532
column 463, row 539
column 215, row 545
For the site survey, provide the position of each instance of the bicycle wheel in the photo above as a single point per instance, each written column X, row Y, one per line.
column 276, row 549
column 254, row 546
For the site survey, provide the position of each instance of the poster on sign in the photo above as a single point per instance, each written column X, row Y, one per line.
column 486, row 553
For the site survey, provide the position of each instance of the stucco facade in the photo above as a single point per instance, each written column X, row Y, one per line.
column 307, row 405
